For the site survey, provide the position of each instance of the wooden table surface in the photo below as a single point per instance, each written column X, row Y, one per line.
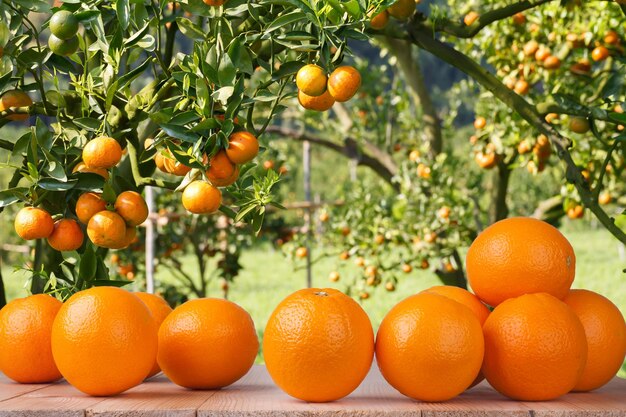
column 256, row 395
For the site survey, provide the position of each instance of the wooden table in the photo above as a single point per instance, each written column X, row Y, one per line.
column 256, row 395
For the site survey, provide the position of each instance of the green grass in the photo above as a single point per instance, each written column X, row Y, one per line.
column 268, row 277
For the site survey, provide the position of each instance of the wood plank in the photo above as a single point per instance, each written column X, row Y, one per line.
column 10, row 389
column 157, row 397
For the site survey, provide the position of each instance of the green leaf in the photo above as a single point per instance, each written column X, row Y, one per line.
column 39, row 6
column 131, row 75
column 122, row 8
column 137, row 36
column 179, row 132
column 87, row 15
column 109, row 283
column 287, row 69
column 284, row 20
column 87, row 123
column 190, row 29
column 226, row 72
column 223, row 94
column 108, row 193
column 88, row 264
column 299, row 5
column 52, row 184
column 12, row 195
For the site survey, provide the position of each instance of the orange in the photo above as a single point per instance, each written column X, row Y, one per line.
column 102, row 152
column 159, row 161
column 82, row 167
column 320, row 103
column 130, row 234
column 480, row 122
column 318, row 345
column 207, row 343
column 344, row 82
column 521, row 87
column 464, row 297
column 600, row 53
column 611, row 38
column 542, row 147
column 605, row 197
column 222, row 172
column 402, row 9
column 89, row 204
column 579, row 125
column 200, row 197
column 172, row 166
column 25, row 331
column 301, row 252
column 517, row 256
column 551, row 62
column 470, row 18
column 379, row 20
column 214, row 3
column 106, row 229
column 530, row 47
column 33, row 223
column 104, row 340
column 542, row 53
column 311, row 80
column 535, row 347
column 605, row 331
column 429, row 347
column 67, row 235
column 242, row 147
column 575, row 211
column 519, row 18
column 486, row 160
column 160, row 309
column 15, row 98
column 132, row 207
column 334, row 276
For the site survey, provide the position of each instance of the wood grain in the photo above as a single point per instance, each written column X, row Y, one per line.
column 256, row 395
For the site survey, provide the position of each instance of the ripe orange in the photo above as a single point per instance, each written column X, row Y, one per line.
column 311, row 80
column 470, row 18
column 464, row 297
column 575, row 211
column 15, row 98
column 33, row 223
column 542, row 147
column 200, row 197
column 25, row 330
column 334, row 276
column 67, row 235
column 222, row 172
column 160, row 309
column 344, row 82
column 611, row 38
column 104, row 340
column 605, row 331
column 172, row 166
column 486, row 160
column 89, row 204
column 159, row 161
column 402, row 9
column 517, row 256
column 523, row 147
column 407, row 268
column 551, row 62
column 414, row 155
column 379, row 20
column 429, row 347
column 102, row 152
column 82, row 167
column 423, row 171
column 530, row 47
column 605, row 198
column 106, row 229
column 535, row 347
column 600, row 53
column 320, row 103
column 480, row 122
column 242, row 147
column 207, row 343
column 130, row 234
column 132, row 207
column 519, row 18
column 301, row 252
column 318, row 345
column 214, row 3
column 542, row 53
column 579, row 125
column 521, row 87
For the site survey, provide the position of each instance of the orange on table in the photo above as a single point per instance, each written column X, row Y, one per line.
column 160, row 309
column 132, row 207
column 33, row 223
column 430, row 347
column 66, row 235
column 517, row 256
column 15, row 98
column 200, row 197
column 343, row 83
column 222, row 172
column 207, row 343
column 242, row 147
column 106, row 229
column 535, row 348
column 102, row 152
column 318, row 345
column 605, row 331
column 104, row 340
column 464, row 297
column 311, row 80
column 25, row 332
column 321, row 103
column 89, row 204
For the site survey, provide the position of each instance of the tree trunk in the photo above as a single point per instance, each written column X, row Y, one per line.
column 499, row 206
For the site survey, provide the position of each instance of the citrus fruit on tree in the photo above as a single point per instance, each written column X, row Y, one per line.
column 25, row 332
column 15, row 98
column 214, row 3
column 104, row 340
column 222, row 172
column 160, row 309
column 63, row 24
column 470, row 18
column 379, row 20
column 535, row 348
column 132, row 207
column 318, row 345
column 173, row 166
column 106, row 229
column 63, row 47
column 517, row 256
column 242, row 147
column 89, row 204
column 311, row 80
column 579, row 125
column 102, row 152
column 82, row 167
column 402, row 9
column 430, row 347
column 343, row 83
column 605, row 331
column 200, row 197
column 130, row 235
column 319, row 103
column 33, row 223
column 207, row 343
column 66, row 235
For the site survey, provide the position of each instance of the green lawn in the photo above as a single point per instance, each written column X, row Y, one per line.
column 268, row 277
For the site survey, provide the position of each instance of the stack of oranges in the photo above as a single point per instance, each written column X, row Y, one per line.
column 317, row 91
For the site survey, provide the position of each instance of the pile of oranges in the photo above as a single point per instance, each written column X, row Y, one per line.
column 317, row 91
column 538, row 341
